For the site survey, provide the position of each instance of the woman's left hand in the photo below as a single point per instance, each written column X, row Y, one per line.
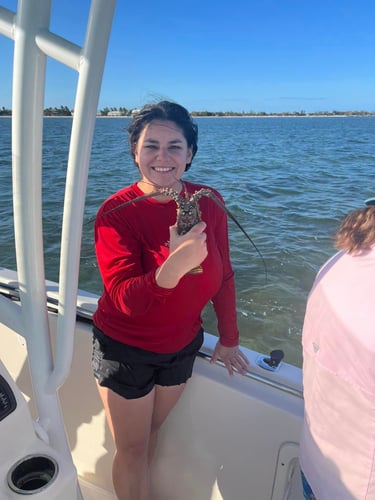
column 232, row 357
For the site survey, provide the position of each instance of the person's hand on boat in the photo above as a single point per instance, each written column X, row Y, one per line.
column 232, row 357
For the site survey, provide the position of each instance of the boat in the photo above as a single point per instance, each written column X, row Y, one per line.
column 228, row 438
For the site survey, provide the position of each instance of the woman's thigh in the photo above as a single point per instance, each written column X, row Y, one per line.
column 129, row 419
column 165, row 399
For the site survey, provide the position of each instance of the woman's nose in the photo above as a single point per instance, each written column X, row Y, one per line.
column 163, row 153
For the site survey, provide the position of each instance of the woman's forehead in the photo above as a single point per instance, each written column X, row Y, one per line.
column 157, row 127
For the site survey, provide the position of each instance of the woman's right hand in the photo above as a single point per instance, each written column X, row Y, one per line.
column 190, row 249
column 185, row 252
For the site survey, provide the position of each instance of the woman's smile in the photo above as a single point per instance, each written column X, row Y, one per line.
column 160, row 169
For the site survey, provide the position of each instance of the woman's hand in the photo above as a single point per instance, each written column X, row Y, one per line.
column 185, row 252
column 232, row 357
column 190, row 249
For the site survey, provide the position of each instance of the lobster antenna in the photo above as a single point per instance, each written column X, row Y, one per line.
column 231, row 216
column 211, row 195
column 139, row 198
column 122, row 205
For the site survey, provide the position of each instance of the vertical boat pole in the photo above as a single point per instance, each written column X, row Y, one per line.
column 27, row 131
column 91, row 65
column 33, row 41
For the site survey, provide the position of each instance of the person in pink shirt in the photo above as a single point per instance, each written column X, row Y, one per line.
column 337, row 448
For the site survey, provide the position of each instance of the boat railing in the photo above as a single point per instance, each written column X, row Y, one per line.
column 29, row 28
column 85, row 312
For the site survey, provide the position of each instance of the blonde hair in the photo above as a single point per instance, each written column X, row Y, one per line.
column 357, row 231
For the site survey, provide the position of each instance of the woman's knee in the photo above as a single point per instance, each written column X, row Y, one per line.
column 133, row 451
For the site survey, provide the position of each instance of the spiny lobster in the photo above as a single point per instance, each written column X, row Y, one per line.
column 188, row 213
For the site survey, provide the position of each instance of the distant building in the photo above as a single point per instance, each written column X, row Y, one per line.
column 114, row 113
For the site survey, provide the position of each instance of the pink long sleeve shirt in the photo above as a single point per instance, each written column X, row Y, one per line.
column 131, row 243
column 337, row 451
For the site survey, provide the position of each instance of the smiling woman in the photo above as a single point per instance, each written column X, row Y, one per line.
column 150, row 312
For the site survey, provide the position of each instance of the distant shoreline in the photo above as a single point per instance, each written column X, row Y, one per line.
column 281, row 116
column 194, row 116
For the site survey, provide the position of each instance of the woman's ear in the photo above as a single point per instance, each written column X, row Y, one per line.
column 135, row 157
column 189, row 156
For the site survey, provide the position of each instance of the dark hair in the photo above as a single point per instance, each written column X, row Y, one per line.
column 167, row 111
column 357, row 231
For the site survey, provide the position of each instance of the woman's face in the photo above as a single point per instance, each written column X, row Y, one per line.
column 162, row 154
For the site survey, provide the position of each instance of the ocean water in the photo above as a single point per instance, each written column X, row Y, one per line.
column 288, row 181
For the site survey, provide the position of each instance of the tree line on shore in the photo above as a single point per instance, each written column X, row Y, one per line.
column 125, row 112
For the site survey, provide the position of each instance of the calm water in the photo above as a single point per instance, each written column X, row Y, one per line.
column 289, row 181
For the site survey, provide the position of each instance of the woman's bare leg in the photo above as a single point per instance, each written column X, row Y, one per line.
column 130, row 422
column 164, row 401
column 134, row 424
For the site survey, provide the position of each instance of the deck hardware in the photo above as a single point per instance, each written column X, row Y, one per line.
column 271, row 362
column 32, row 474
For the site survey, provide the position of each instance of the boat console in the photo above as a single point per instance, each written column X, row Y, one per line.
column 8, row 401
column 29, row 465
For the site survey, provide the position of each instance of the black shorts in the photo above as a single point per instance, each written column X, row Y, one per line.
column 132, row 372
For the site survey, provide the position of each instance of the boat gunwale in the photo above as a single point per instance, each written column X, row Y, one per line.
column 85, row 314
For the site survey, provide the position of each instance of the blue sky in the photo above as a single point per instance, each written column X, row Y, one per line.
column 244, row 55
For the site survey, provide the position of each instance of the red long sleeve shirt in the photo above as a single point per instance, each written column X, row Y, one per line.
column 131, row 243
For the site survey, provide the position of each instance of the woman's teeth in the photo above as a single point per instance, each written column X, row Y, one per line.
column 159, row 169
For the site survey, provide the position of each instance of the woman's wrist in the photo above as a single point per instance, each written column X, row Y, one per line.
column 167, row 275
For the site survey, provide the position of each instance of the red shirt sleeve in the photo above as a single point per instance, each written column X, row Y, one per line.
column 224, row 301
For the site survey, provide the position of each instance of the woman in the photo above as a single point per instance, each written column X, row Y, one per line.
column 148, row 326
column 337, row 446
